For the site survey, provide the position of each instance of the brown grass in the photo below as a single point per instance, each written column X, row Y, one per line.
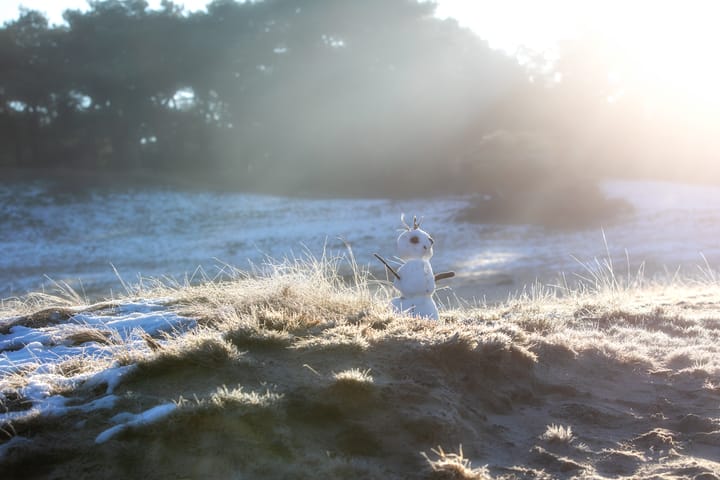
column 558, row 434
column 329, row 383
column 454, row 466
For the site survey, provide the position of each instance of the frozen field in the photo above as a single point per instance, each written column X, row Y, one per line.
column 51, row 235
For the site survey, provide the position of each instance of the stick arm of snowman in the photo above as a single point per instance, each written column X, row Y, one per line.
column 444, row 275
column 438, row 276
column 387, row 265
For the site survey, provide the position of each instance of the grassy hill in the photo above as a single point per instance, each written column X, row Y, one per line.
column 294, row 372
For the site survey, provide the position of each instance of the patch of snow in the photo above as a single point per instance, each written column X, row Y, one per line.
column 21, row 336
column 56, row 405
column 44, row 358
column 39, row 354
column 103, row 403
column 129, row 420
column 151, row 318
column 110, row 377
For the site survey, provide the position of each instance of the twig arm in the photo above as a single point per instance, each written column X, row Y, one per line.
column 387, row 265
column 444, row 275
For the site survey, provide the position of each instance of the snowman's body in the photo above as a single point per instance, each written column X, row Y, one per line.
column 416, row 281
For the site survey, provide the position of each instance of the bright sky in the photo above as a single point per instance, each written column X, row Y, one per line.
column 54, row 8
column 666, row 42
column 669, row 47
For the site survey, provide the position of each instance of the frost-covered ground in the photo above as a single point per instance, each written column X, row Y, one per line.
column 49, row 234
column 300, row 375
column 60, row 355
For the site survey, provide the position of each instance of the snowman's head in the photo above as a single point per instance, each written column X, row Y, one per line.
column 414, row 242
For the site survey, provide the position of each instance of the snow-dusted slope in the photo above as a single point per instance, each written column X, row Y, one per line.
column 90, row 341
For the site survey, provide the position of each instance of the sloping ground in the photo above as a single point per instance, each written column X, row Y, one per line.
column 296, row 375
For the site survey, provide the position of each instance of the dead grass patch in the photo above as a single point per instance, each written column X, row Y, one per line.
column 453, row 466
column 236, row 398
column 297, row 296
column 491, row 355
column 204, row 349
column 352, row 382
column 558, row 434
column 39, row 310
column 353, row 376
column 77, row 365
column 39, row 319
column 13, row 401
column 87, row 335
column 250, row 337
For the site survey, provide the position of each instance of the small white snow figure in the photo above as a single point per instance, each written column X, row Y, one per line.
column 415, row 279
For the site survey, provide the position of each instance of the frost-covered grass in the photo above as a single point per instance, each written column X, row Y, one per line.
column 558, row 434
column 447, row 466
column 162, row 232
column 295, row 370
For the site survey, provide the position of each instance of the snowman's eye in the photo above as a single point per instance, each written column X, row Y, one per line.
column 414, row 239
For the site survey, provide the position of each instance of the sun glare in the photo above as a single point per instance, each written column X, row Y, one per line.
column 665, row 49
column 670, row 47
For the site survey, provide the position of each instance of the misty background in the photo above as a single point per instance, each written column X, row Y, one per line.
column 335, row 98
column 326, row 97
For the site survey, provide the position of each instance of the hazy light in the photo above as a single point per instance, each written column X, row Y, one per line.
column 511, row 24
column 184, row 98
column 664, row 49
column 333, row 42
column 17, row 106
column 83, row 101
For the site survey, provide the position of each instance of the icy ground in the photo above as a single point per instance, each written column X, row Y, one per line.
column 42, row 354
column 48, row 235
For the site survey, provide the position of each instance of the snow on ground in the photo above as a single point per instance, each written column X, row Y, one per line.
column 78, row 237
column 127, row 420
column 40, row 353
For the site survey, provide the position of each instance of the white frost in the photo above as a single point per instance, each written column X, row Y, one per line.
column 40, row 352
column 129, row 420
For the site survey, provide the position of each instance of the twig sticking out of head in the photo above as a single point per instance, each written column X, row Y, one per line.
column 387, row 265
column 416, row 222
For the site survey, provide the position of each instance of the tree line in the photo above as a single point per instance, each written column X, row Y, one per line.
column 310, row 96
column 282, row 91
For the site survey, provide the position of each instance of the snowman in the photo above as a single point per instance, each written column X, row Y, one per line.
column 415, row 279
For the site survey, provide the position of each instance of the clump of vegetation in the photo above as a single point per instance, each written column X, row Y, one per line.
column 353, row 383
column 204, row 349
column 454, row 466
column 353, row 376
column 294, row 296
column 224, row 397
column 558, row 434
